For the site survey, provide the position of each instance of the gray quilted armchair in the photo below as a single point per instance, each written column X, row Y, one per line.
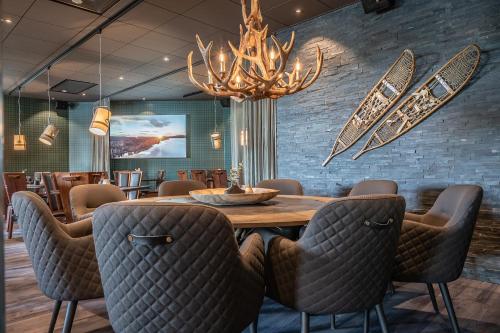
column 374, row 186
column 84, row 199
column 434, row 246
column 63, row 256
column 179, row 187
column 176, row 268
column 343, row 261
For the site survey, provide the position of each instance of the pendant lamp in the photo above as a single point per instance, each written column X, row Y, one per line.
column 50, row 132
column 19, row 139
column 216, row 137
column 100, row 121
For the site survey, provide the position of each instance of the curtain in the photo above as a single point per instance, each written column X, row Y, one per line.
column 100, row 146
column 253, row 139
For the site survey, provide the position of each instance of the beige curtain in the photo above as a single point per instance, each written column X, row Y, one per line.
column 100, row 147
column 253, row 139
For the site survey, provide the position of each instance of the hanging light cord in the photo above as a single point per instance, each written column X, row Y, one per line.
column 215, row 112
column 48, row 91
column 100, row 64
column 19, row 109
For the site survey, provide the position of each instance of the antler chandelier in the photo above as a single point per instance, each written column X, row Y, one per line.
column 256, row 70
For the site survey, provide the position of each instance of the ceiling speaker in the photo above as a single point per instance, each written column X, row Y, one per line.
column 377, row 5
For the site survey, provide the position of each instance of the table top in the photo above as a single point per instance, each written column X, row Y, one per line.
column 282, row 211
column 34, row 186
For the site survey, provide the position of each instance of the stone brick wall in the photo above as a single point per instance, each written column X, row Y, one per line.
column 460, row 143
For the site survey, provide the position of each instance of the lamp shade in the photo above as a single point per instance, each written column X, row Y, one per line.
column 49, row 134
column 216, row 140
column 19, row 142
column 100, row 121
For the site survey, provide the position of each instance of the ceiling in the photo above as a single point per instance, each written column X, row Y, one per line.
column 153, row 38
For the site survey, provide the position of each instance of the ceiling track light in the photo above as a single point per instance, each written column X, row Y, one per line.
column 19, row 139
column 102, row 115
column 50, row 132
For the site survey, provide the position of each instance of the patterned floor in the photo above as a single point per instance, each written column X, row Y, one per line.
column 409, row 311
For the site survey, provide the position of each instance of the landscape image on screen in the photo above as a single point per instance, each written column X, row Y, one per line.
column 151, row 136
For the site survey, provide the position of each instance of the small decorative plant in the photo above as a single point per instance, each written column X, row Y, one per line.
column 234, row 178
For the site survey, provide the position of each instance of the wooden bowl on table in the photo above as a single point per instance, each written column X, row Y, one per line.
column 216, row 196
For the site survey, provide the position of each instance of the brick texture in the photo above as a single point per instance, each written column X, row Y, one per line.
column 459, row 144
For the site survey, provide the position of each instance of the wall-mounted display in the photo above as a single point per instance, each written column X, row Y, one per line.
column 148, row 136
column 429, row 97
column 386, row 92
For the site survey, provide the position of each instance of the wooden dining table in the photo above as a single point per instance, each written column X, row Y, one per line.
column 281, row 211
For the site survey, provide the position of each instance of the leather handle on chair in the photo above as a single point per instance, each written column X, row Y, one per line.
column 379, row 225
column 150, row 240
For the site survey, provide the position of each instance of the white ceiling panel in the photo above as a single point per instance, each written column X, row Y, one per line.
column 28, row 44
column 159, row 42
column 147, row 16
column 177, row 6
column 186, row 28
column 108, row 45
column 16, row 7
column 123, row 32
column 226, row 16
column 45, row 31
column 57, row 14
column 137, row 53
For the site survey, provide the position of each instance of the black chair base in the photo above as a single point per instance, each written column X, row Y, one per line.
column 449, row 307
column 433, row 297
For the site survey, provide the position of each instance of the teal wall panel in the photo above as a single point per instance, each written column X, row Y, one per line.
column 80, row 139
column 37, row 157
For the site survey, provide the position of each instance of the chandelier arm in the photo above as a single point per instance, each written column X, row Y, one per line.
column 300, row 83
column 191, row 74
column 319, row 66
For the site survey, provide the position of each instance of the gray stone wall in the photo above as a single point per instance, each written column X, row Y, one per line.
column 458, row 144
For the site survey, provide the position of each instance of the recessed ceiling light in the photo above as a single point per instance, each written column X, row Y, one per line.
column 84, row 94
column 78, row 2
column 298, row 10
column 121, row 77
column 64, row 91
column 166, row 59
column 7, row 20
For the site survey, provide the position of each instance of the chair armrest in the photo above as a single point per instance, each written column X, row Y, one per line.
column 414, row 217
column 252, row 256
column 79, row 229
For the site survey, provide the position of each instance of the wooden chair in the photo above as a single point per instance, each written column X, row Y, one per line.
column 13, row 182
column 135, row 180
column 122, row 178
column 219, row 178
column 95, row 177
column 199, row 175
column 53, row 195
column 182, row 175
column 65, row 181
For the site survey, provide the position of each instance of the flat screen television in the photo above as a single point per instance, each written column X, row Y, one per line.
column 148, row 136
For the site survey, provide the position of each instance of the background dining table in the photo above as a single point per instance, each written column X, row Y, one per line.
column 281, row 211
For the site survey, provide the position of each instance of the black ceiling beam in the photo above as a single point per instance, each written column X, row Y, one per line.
column 79, row 43
column 175, row 71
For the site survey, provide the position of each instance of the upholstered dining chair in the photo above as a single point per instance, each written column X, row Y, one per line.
column 84, row 199
column 433, row 246
column 179, row 187
column 199, row 175
column 367, row 187
column 135, row 180
column 13, row 182
column 343, row 261
column 62, row 255
column 176, row 268
column 53, row 194
column 182, row 175
column 219, row 178
column 286, row 187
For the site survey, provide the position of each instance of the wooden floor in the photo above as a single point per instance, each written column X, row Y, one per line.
column 409, row 310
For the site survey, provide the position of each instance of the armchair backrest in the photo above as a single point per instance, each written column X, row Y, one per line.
column 179, row 187
column 65, row 267
column 285, row 186
column 369, row 187
column 199, row 175
column 84, row 199
column 14, row 182
column 168, row 267
column 343, row 261
column 219, row 177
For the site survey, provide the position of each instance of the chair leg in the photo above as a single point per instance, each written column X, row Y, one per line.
column 391, row 288
column 366, row 321
column 55, row 313
column 333, row 324
column 433, row 297
column 304, row 322
column 449, row 307
column 253, row 326
column 381, row 318
column 70, row 315
column 10, row 222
